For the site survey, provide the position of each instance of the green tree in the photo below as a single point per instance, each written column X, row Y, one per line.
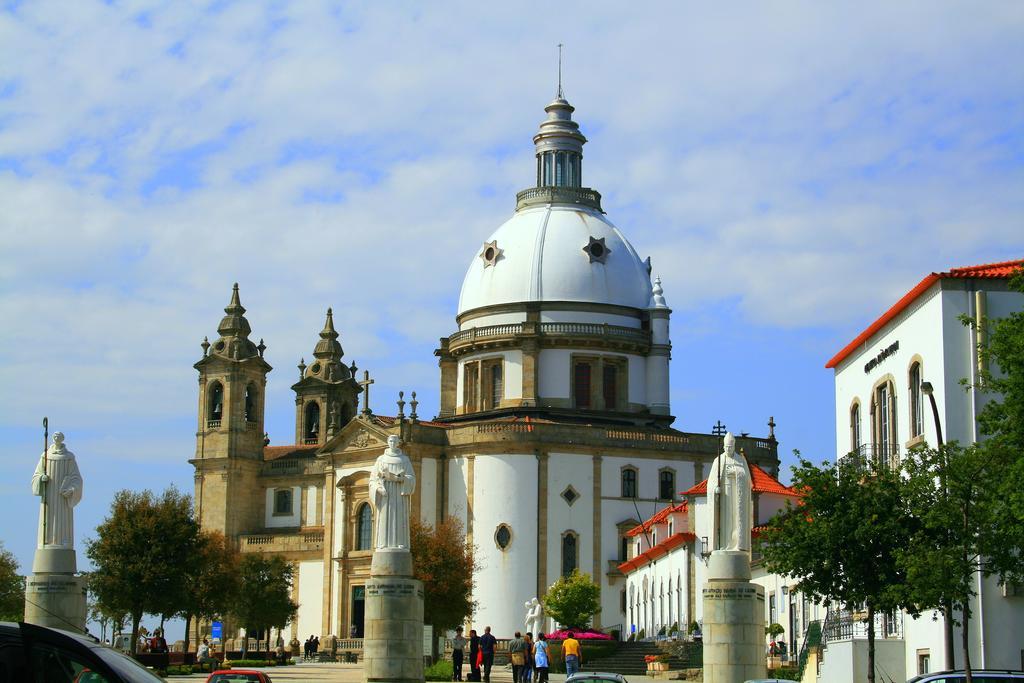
column 573, row 600
column 445, row 562
column 840, row 540
column 954, row 494
column 12, row 588
column 213, row 579
column 137, row 555
column 264, row 599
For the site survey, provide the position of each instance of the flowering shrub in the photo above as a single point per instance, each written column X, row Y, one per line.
column 588, row 634
column 655, row 658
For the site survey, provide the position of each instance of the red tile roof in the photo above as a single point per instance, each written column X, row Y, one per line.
column 985, row 271
column 659, row 550
column 275, row 452
column 658, row 518
column 763, row 483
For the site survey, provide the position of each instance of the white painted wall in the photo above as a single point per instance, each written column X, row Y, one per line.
column 578, row 470
column 272, row 521
column 494, row 319
column 311, row 588
column 311, row 518
column 505, row 492
column 512, row 367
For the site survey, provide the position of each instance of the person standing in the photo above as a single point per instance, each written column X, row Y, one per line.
column 527, row 675
column 458, row 647
column 474, row 653
column 540, row 658
column 571, row 654
column 515, row 654
column 487, row 645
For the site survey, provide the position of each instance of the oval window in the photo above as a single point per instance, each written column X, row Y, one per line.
column 503, row 536
column 596, row 250
column 315, row 369
column 489, row 254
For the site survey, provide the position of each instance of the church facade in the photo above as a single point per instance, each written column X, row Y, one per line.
column 554, row 429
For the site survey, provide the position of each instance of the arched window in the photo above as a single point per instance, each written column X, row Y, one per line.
column 629, row 482
column 250, row 403
column 364, row 527
column 570, row 553
column 916, row 420
column 883, row 427
column 283, row 502
column 666, row 485
column 855, row 440
column 311, row 432
column 215, row 409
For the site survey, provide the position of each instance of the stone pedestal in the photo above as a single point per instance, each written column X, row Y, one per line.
column 56, row 601
column 733, row 629
column 393, row 639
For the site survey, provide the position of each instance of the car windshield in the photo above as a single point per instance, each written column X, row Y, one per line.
column 234, row 678
column 125, row 666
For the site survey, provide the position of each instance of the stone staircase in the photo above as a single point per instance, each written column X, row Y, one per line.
column 628, row 660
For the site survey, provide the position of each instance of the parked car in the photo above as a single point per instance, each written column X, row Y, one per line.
column 35, row 654
column 238, row 676
column 977, row 675
column 595, row 677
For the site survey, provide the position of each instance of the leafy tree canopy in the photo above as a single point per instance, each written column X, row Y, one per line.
column 444, row 561
column 138, row 554
column 573, row 600
column 264, row 599
column 12, row 588
column 213, row 578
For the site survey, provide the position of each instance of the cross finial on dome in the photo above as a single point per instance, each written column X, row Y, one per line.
column 560, row 95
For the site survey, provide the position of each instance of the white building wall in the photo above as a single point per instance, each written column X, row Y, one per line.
column 494, row 319
column 458, row 489
column 578, row 470
column 512, row 378
column 505, row 492
column 311, row 588
column 272, row 521
column 554, row 373
column 311, row 518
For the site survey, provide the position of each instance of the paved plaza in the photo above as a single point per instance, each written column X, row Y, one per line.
column 353, row 673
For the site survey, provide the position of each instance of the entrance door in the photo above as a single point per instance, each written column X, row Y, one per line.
column 358, row 611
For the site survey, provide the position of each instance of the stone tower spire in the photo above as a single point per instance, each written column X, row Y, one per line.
column 326, row 397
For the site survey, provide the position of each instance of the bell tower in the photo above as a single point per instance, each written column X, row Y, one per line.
column 229, row 439
column 327, row 393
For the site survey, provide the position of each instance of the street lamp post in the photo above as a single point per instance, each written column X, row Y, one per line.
column 947, row 604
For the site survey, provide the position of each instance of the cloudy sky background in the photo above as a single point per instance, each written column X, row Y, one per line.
column 791, row 168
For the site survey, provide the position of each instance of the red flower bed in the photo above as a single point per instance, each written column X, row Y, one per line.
column 589, row 634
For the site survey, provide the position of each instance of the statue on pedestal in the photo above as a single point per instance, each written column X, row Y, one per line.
column 392, row 483
column 58, row 483
column 729, row 500
column 534, row 617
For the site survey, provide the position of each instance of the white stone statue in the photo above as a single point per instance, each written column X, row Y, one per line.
column 730, row 504
column 534, row 617
column 59, row 484
column 392, row 482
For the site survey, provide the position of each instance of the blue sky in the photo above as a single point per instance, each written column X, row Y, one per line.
column 791, row 168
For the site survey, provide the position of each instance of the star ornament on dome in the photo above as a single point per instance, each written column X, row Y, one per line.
column 596, row 250
column 491, row 253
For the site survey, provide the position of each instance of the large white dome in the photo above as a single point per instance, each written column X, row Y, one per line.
column 556, row 253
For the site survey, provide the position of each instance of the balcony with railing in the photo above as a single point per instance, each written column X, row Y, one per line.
column 845, row 625
column 539, row 196
column 886, row 455
column 551, row 332
column 312, row 540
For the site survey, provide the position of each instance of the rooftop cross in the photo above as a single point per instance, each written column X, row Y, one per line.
column 771, row 427
column 718, row 429
column 365, row 384
column 560, row 71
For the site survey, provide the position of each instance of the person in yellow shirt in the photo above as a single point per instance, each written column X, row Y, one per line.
column 571, row 654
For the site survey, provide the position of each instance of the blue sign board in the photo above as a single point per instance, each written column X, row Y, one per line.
column 216, row 629
column 632, row 628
